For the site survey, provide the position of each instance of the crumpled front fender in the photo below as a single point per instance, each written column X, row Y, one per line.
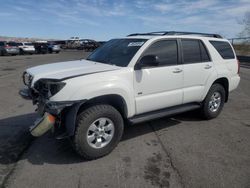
column 70, row 118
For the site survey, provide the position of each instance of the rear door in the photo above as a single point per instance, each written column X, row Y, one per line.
column 197, row 67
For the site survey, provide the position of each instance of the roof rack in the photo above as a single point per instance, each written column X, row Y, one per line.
column 161, row 33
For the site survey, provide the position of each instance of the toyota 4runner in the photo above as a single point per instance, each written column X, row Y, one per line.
column 133, row 79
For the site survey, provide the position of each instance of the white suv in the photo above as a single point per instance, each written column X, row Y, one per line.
column 26, row 48
column 133, row 79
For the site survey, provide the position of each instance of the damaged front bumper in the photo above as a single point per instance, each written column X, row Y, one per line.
column 63, row 114
column 43, row 125
column 25, row 93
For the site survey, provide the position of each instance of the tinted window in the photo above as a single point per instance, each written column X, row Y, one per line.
column 12, row 44
column 28, row 44
column 194, row 51
column 224, row 49
column 1, row 43
column 204, row 53
column 117, row 52
column 165, row 50
column 191, row 51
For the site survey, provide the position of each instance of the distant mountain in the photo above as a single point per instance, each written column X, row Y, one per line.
column 22, row 39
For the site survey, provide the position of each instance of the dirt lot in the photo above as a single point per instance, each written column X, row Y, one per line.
column 183, row 151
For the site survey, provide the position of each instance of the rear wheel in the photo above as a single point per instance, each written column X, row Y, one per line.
column 99, row 130
column 214, row 102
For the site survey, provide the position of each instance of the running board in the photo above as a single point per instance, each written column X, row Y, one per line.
column 163, row 113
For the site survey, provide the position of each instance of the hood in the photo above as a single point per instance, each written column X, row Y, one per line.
column 69, row 69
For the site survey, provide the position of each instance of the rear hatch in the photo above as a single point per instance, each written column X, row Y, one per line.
column 11, row 46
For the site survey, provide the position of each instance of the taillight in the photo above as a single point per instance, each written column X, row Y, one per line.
column 238, row 66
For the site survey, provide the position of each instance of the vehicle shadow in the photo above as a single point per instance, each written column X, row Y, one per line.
column 46, row 149
column 14, row 137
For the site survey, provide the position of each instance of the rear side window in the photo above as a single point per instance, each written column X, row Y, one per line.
column 194, row 51
column 224, row 49
column 1, row 43
column 165, row 50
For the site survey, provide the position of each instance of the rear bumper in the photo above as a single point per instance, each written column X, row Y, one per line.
column 29, row 51
column 12, row 51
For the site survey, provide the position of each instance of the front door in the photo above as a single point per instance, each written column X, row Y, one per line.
column 160, row 86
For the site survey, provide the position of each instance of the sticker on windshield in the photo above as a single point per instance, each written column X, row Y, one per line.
column 135, row 43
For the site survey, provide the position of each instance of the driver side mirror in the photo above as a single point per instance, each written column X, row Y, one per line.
column 147, row 61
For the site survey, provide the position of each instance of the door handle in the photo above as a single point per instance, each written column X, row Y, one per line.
column 177, row 70
column 208, row 67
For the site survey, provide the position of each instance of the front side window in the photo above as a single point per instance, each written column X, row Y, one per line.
column 165, row 50
column 117, row 52
column 224, row 49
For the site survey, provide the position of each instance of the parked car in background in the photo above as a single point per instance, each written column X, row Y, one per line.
column 26, row 48
column 8, row 48
column 88, row 45
column 53, row 47
column 41, row 47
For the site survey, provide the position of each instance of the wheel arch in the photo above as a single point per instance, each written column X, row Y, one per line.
column 115, row 100
column 225, row 83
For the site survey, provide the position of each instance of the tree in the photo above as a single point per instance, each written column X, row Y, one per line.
column 246, row 25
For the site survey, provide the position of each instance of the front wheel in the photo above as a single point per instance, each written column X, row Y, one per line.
column 99, row 130
column 214, row 102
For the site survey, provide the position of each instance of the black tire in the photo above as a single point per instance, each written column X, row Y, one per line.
column 84, row 121
column 57, row 52
column 21, row 52
column 206, row 111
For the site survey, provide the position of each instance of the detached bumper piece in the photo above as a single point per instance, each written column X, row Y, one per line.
column 43, row 125
column 25, row 93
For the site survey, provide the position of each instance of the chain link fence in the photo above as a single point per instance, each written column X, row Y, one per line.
column 241, row 45
column 242, row 49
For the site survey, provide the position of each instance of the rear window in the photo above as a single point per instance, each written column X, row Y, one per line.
column 194, row 51
column 224, row 49
column 1, row 43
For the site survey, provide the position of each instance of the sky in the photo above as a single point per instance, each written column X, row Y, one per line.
column 106, row 19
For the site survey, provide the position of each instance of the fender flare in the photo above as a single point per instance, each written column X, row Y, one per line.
column 70, row 118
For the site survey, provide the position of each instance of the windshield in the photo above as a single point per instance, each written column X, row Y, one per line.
column 28, row 44
column 117, row 52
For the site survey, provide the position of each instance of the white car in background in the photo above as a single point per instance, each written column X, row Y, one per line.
column 26, row 48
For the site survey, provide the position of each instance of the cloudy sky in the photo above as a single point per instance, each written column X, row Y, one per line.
column 105, row 19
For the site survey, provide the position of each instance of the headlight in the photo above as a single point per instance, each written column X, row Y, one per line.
column 48, row 87
column 27, row 79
